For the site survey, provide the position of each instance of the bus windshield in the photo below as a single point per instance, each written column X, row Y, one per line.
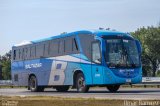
column 122, row 53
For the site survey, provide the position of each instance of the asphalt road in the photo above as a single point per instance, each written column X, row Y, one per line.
column 101, row 93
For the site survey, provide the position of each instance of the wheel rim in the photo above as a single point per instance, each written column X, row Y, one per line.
column 81, row 83
column 32, row 83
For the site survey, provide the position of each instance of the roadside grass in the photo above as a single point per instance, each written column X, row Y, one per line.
column 10, row 86
column 60, row 101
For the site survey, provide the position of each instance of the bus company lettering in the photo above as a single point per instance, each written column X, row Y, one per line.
column 35, row 65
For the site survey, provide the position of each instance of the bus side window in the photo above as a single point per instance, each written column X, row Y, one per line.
column 14, row 54
column 17, row 55
column 26, row 52
column 46, row 49
column 68, row 45
column 61, row 47
column 23, row 54
column 74, row 45
column 33, row 52
column 53, row 48
column 85, row 44
column 20, row 54
column 39, row 50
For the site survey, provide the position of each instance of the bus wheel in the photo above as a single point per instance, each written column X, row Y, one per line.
column 62, row 88
column 113, row 88
column 80, row 84
column 33, row 85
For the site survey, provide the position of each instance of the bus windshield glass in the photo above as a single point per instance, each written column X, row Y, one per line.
column 122, row 53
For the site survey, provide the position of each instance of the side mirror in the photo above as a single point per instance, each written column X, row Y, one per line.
column 139, row 46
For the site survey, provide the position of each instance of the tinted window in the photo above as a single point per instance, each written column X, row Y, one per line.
column 61, row 47
column 85, row 41
column 68, row 45
column 56, row 47
column 17, row 54
column 46, row 49
column 14, row 54
column 53, row 48
column 26, row 53
column 33, row 52
column 74, row 45
column 39, row 50
column 20, row 54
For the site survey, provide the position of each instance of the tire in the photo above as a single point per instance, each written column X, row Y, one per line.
column 80, row 84
column 33, row 85
column 62, row 88
column 113, row 88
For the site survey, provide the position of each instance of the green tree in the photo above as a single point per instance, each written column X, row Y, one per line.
column 6, row 66
column 0, row 60
column 150, row 40
column 158, row 73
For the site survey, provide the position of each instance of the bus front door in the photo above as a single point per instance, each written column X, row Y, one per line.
column 97, row 71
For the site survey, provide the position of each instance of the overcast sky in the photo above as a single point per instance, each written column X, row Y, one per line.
column 27, row 20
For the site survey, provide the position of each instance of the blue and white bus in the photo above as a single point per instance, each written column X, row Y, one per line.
column 80, row 60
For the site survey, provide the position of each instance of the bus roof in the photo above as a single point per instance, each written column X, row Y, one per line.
column 95, row 32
